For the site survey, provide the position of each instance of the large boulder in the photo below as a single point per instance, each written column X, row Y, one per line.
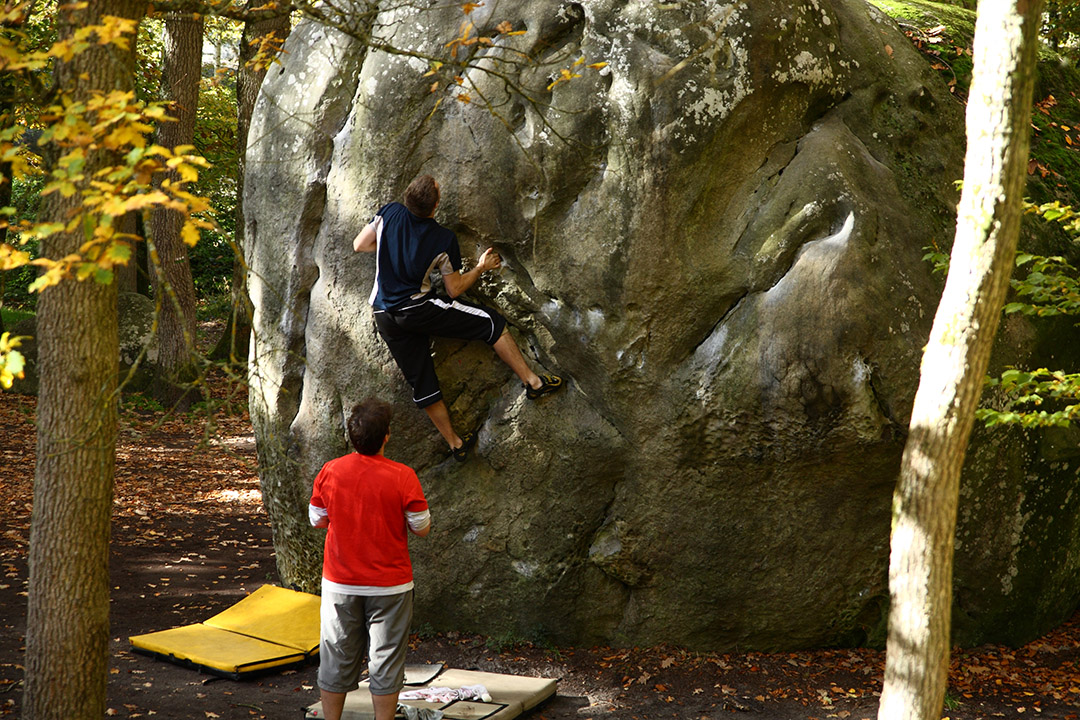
column 137, row 340
column 716, row 237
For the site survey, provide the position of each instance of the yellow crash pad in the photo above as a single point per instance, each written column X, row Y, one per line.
column 270, row 629
column 511, row 695
column 274, row 614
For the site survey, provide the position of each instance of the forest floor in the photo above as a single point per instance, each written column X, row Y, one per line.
column 190, row 538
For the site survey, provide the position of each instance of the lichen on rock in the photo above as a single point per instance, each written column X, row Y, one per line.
column 716, row 238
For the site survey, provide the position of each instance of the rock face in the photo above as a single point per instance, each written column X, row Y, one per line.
column 716, row 236
column 137, row 341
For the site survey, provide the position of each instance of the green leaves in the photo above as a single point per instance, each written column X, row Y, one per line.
column 1035, row 398
column 1050, row 287
column 939, row 259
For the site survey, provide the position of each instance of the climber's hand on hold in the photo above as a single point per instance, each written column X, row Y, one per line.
column 489, row 260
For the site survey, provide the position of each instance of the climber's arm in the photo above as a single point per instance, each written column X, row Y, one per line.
column 458, row 282
column 367, row 240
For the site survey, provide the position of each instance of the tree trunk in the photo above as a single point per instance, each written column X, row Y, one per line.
column 7, row 120
column 127, row 276
column 955, row 361
column 68, row 609
column 234, row 342
column 174, row 289
column 5, row 201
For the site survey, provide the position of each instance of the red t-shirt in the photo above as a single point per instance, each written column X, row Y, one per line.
column 366, row 498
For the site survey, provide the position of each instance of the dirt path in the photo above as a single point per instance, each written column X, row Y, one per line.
column 190, row 538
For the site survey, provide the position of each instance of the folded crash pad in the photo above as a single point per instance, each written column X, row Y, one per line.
column 511, row 695
column 270, row 629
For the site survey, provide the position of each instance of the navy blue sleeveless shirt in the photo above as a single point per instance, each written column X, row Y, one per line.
column 409, row 248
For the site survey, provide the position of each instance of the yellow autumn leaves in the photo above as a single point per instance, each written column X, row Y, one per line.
column 11, row 360
column 567, row 74
column 113, row 30
column 99, row 151
column 143, row 176
column 466, row 39
column 137, row 175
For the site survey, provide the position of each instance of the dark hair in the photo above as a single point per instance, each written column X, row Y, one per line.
column 422, row 196
column 368, row 424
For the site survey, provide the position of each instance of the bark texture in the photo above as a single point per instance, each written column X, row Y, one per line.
column 68, row 609
column 955, row 361
column 173, row 284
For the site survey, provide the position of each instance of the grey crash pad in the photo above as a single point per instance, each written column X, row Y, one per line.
column 511, row 695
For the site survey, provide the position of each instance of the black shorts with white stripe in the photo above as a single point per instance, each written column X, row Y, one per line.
column 407, row 332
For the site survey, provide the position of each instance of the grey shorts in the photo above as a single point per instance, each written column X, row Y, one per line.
column 355, row 625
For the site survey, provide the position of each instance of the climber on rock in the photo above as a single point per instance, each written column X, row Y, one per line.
column 408, row 245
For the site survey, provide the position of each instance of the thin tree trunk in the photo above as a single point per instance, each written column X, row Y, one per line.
column 68, row 609
column 234, row 342
column 127, row 276
column 7, row 120
column 956, row 358
column 5, row 201
column 171, row 270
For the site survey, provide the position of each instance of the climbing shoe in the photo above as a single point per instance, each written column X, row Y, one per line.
column 461, row 454
column 548, row 384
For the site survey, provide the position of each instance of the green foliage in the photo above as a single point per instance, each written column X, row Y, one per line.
column 1049, row 286
column 1045, row 284
column 938, row 258
column 1061, row 26
column 222, row 33
column 1037, row 398
column 15, row 284
column 1028, row 392
column 426, row 631
column 503, row 641
column 943, row 32
column 1054, row 167
column 215, row 139
column 217, row 306
column 1040, row 398
column 11, row 316
column 149, row 51
column 135, row 402
column 1048, row 289
column 27, row 34
column 508, row 640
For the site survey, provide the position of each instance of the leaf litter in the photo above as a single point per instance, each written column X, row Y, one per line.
column 190, row 538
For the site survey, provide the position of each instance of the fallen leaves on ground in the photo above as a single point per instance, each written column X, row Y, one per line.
column 211, row 454
column 206, row 482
